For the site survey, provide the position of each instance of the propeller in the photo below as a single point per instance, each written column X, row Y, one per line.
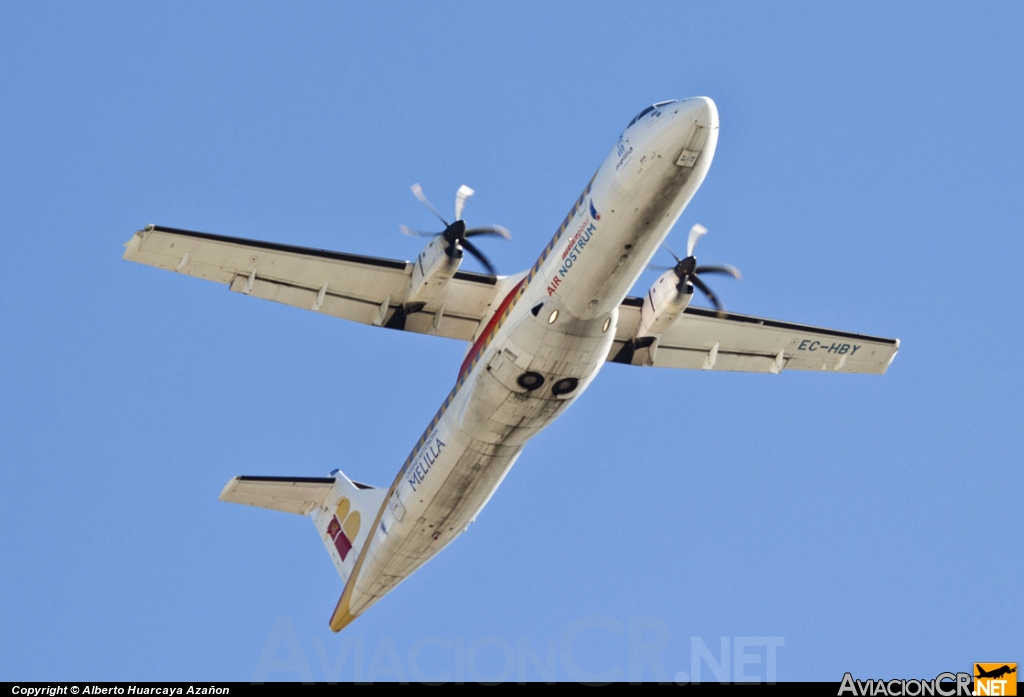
column 689, row 273
column 456, row 234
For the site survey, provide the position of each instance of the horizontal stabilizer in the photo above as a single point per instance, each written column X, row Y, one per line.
column 289, row 494
column 342, row 510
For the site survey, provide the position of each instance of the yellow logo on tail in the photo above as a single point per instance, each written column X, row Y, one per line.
column 344, row 533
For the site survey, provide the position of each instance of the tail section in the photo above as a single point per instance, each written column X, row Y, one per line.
column 344, row 520
column 341, row 509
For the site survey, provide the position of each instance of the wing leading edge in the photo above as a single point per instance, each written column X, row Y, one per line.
column 700, row 339
column 359, row 288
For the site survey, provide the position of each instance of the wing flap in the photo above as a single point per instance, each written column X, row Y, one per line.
column 355, row 308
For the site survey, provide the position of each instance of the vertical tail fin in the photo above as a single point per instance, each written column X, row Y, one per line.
column 344, row 520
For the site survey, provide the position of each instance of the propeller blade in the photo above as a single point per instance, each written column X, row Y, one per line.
column 710, row 295
column 696, row 232
column 659, row 267
column 495, row 230
column 406, row 230
column 471, row 248
column 455, row 234
column 725, row 269
column 669, row 250
column 461, row 195
column 417, row 191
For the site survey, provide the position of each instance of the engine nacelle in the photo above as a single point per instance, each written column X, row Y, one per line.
column 663, row 304
column 433, row 269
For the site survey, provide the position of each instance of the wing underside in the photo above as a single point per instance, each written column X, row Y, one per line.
column 371, row 291
column 701, row 339
column 359, row 288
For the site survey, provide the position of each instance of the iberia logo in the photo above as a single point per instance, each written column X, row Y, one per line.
column 344, row 527
column 995, row 678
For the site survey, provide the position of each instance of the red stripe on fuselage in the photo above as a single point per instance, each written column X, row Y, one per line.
column 491, row 327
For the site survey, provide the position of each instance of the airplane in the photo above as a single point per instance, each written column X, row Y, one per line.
column 536, row 339
column 996, row 672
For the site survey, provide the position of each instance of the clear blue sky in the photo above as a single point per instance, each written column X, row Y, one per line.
column 868, row 178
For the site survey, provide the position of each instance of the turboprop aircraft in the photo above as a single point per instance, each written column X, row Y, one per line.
column 536, row 338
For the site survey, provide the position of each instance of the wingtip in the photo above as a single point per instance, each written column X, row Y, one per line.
column 228, row 488
column 133, row 244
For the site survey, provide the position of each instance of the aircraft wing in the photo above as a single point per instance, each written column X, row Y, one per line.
column 359, row 288
column 700, row 339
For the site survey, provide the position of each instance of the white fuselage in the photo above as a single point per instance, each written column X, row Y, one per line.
column 546, row 341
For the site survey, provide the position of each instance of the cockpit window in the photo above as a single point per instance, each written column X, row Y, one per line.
column 642, row 114
column 648, row 110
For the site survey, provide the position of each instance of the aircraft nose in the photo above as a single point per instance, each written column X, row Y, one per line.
column 699, row 111
column 690, row 127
